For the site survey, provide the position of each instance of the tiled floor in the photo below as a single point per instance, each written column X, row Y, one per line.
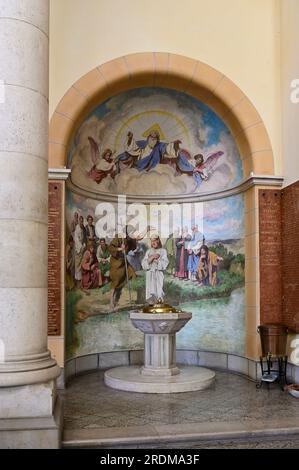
column 232, row 408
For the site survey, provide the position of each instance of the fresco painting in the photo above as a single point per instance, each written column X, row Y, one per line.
column 201, row 271
column 153, row 144
column 154, row 141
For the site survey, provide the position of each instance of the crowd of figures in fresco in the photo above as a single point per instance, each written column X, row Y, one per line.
column 92, row 261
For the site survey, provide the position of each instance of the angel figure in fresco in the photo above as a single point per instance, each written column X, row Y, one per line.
column 103, row 165
column 145, row 155
column 202, row 169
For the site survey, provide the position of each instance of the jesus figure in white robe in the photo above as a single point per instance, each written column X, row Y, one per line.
column 155, row 263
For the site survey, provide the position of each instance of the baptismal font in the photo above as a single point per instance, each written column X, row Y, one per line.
column 159, row 322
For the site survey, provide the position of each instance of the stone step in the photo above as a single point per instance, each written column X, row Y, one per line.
column 185, row 435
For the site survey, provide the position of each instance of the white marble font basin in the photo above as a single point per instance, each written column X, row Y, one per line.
column 160, row 323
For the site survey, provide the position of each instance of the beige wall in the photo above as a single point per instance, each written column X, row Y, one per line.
column 240, row 38
column 289, row 72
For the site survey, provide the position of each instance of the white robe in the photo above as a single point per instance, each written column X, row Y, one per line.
column 79, row 251
column 103, row 165
column 154, row 273
column 136, row 151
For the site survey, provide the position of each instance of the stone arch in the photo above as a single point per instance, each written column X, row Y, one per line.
column 167, row 70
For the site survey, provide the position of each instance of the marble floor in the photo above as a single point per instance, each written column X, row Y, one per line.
column 231, row 413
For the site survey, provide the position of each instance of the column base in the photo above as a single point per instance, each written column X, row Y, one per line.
column 19, row 371
column 33, row 433
column 130, row 379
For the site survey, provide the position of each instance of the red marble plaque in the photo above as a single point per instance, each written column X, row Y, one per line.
column 54, row 258
column 270, row 235
column 290, row 260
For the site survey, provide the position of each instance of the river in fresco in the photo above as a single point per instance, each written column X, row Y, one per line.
column 216, row 325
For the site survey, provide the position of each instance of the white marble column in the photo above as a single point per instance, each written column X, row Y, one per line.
column 27, row 372
column 160, row 355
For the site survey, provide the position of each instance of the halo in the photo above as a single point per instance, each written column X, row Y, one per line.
column 169, row 126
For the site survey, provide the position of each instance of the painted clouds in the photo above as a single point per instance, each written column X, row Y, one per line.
column 177, row 117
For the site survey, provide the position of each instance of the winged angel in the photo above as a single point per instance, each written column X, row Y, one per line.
column 103, row 165
column 202, row 169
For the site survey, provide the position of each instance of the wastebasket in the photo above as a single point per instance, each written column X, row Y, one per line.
column 273, row 339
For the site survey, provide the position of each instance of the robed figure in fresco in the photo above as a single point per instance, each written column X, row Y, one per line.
column 80, row 246
column 90, row 229
column 103, row 255
column 171, row 251
column 120, row 271
column 74, row 222
column 135, row 249
column 146, row 154
column 91, row 276
column 207, row 267
column 155, row 263
column 181, row 260
column 193, row 250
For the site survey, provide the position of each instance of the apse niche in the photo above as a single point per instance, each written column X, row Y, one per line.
column 142, row 164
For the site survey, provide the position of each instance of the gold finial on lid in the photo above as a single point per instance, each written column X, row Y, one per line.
column 160, row 307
